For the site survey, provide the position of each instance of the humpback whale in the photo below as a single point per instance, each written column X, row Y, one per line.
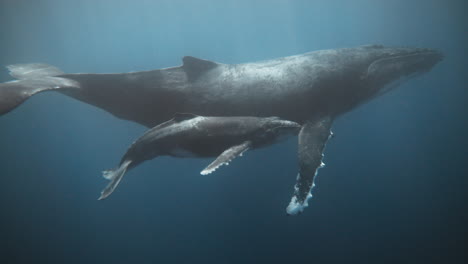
column 188, row 135
column 311, row 89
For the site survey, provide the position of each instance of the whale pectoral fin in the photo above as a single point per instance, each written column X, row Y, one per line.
column 226, row 157
column 34, row 78
column 312, row 139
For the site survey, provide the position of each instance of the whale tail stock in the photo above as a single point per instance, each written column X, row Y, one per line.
column 115, row 176
column 32, row 78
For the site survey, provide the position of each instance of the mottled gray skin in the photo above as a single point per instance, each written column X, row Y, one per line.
column 298, row 88
column 310, row 89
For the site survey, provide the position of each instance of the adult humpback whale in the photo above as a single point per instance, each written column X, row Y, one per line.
column 311, row 89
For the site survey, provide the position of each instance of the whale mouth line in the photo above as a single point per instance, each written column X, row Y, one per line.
column 421, row 61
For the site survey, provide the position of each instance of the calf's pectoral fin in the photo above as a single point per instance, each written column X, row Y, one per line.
column 226, row 157
column 33, row 78
column 312, row 139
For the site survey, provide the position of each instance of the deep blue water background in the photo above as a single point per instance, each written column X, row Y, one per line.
column 394, row 189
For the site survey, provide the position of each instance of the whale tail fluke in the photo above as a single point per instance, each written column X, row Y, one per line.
column 115, row 176
column 31, row 78
column 33, row 71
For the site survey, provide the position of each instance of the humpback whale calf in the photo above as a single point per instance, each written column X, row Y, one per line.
column 189, row 135
column 311, row 89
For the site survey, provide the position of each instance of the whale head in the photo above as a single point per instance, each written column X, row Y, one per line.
column 369, row 71
column 275, row 129
column 385, row 66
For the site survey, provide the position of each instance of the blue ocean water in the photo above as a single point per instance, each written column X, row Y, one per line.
column 394, row 189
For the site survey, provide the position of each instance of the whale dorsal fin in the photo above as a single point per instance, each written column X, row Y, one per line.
column 226, row 157
column 178, row 117
column 194, row 67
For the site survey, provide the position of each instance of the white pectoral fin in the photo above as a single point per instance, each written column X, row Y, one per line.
column 312, row 139
column 114, row 176
column 226, row 157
